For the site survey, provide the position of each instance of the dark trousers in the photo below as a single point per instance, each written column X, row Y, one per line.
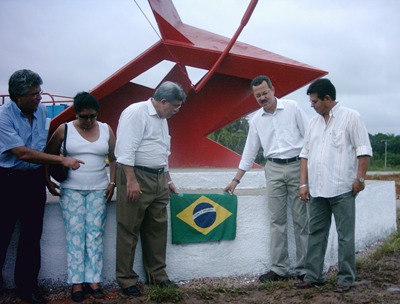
column 23, row 199
column 321, row 209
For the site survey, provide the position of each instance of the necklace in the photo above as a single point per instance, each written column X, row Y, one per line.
column 77, row 125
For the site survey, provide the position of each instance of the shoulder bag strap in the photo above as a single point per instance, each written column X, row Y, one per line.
column 64, row 151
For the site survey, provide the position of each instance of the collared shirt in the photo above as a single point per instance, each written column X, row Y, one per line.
column 142, row 137
column 279, row 134
column 332, row 149
column 16, row 131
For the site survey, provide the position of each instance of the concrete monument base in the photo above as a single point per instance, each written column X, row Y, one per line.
column 248, row 254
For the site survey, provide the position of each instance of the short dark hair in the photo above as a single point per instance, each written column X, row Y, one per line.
column 322, row 87
column 21, row 82
column 170, row 91
column 85, row 100
column 259, row 79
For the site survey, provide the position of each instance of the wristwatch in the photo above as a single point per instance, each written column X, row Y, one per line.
column 361, row 179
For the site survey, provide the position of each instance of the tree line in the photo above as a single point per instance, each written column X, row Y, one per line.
column 385, row 147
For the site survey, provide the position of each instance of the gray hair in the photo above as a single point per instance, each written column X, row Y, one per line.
column 170, row 91
column 21, row 82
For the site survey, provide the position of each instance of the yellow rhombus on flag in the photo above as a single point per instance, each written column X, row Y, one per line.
column 202, row 218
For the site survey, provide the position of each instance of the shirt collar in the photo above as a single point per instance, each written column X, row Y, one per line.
column 333, row 112
column 151, row 108
column 18, row 111
column 279, row 106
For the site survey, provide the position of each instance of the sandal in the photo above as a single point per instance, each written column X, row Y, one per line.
column 77, row 294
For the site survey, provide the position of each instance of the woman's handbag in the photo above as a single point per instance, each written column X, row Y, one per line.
column 57, row 171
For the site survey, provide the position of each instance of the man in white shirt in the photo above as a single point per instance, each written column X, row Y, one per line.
column 144, row 183
column 278, row 127
column 334, row 162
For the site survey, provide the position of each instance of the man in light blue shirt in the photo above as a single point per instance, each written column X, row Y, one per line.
column 23, row 135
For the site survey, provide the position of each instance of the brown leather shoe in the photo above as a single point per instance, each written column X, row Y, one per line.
column 306, row 284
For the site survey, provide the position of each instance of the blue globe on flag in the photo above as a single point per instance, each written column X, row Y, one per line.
column 204, row 215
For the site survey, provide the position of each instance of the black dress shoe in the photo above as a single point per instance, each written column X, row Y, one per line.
column 96, row 292
column 32, row 298
column 272, row 276
column 131, row 291
column 301, row 277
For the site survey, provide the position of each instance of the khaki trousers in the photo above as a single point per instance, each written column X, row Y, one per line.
column 283, row 193
column 148, row 217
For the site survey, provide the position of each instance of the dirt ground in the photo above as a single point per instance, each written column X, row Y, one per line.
column 377, row 282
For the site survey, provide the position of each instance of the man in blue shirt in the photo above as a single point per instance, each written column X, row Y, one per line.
column 23, row 134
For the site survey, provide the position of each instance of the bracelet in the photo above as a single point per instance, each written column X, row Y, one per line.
column 236, row 180
column 303, row 185
column 170, row 182
column 112, row 183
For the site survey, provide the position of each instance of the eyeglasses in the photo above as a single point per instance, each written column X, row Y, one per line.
column 263, row 94
column 34, row 94
column 90, row 116
column 175, row 105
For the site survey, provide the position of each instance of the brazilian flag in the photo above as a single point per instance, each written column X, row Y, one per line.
column 203, row 217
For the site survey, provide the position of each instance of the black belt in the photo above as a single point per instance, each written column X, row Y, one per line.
column 283, row 161
column 150, row 170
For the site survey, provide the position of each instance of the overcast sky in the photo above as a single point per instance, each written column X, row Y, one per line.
column 76, row 44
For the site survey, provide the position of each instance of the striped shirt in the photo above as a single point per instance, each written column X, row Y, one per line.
column 332, row 149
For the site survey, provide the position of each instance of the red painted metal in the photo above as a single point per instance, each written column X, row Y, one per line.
column 231, row 43
column 223, row 97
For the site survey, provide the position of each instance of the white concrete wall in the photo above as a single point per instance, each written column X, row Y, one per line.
column 247, row 254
